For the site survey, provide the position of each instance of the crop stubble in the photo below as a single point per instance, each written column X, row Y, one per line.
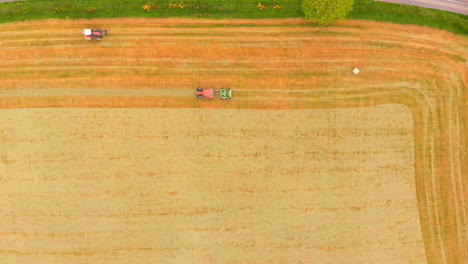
column 183, row 185
column 276, row 64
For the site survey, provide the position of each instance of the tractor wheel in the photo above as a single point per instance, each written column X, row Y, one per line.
column 200, row 89
column 199, row 96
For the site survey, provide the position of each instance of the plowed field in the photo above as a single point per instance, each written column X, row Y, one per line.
column 106, row 156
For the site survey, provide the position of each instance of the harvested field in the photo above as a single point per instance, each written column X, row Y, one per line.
column 218, row 194
column 306, row 163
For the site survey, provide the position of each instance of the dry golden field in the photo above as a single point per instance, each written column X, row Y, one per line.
column 106, row 156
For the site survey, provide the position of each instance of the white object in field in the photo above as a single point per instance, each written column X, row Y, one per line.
column 356, row 71
column 87, row 32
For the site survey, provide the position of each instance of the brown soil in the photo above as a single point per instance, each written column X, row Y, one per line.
column 270, row 64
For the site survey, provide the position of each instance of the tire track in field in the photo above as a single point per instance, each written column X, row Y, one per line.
column 51, row 92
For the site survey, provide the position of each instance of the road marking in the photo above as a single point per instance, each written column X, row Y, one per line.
column 457, row 2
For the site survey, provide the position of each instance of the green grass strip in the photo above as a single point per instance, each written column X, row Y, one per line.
column 408, row 14
column 219, row 9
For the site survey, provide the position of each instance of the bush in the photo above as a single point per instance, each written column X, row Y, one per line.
column 326, row 11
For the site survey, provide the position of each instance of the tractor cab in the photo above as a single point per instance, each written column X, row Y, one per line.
column 87, row 34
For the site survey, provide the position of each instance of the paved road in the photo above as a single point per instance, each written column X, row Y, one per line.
column 457, row 6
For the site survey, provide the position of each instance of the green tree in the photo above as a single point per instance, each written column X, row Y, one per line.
column 326, row 11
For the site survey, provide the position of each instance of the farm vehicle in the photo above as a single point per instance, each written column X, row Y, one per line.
column 89, row 34
column 224, row 93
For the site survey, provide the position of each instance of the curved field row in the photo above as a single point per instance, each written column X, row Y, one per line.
column 270, row 64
